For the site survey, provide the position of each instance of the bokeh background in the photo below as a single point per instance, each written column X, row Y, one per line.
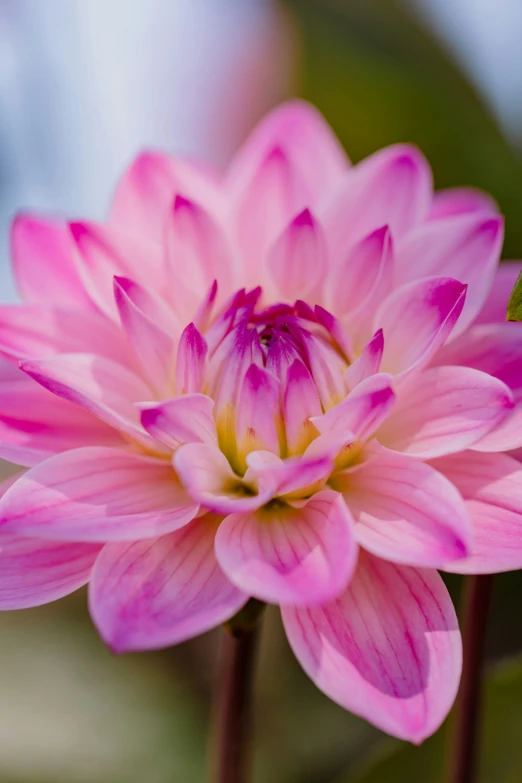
column 84, row 85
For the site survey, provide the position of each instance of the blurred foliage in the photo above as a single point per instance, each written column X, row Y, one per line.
column 380, row 77
column 514, row 311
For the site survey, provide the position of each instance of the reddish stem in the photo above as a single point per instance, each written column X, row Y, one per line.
column 466, row 728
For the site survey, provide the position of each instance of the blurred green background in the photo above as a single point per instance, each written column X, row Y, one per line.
column 72, row 713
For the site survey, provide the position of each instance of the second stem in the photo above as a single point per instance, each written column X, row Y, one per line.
column 466, row 728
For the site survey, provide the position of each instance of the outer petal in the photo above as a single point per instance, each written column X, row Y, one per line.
column 460, row 201
column 186, row 419
column 96, row 494
column 152, row 305
column 495, row 349
column 416, row 320
column 360, row 281
column 103, row 253
column 406, row 512
column 391, row 188
column 297, row 128
column 153, row 347
column 297, row 262
column 152, row 594
column 105, row 388
column 35, row 572
column 362, row 411
column 197, row 254
column 368, row 363
column 265, row 198
column 444, row 410
column 495, row 307
column 388, row 650
column 492, row 348
column 465, row 247
column 35, row 424
column 287, row 555
column 507, row 436
column 43, row 263
column 145, row 193
column 28, row 331
column 491, row 485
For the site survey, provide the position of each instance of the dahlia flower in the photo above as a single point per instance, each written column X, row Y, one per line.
column 282, row 382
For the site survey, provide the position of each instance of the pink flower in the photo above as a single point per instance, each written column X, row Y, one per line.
column 273, row 383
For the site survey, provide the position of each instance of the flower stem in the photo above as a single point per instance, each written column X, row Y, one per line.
column 234, row 697
column 466, row 728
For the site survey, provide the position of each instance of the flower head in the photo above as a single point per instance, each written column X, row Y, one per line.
column 268, row 384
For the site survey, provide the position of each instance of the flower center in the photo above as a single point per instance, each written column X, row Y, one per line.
column 270, row 370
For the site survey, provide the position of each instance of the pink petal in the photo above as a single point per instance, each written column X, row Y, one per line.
column 327, row 367
column 491, row 485
column 145, row 193
column 264, row 205
column 186, row 419
column 257, row 410
column 295, row 556
column 361, row 413
column 233, row 358
column 43, row 263
column 391, row 188
column 507, row 436
column 388, row 650
column 495, row 349
column 492, row 348
column 301, row 132
column 289, row 477
column 153, row 347
column 444, row 410
column 35, row 424
column 459, row 201
column 35, row 330
column 96, row 494
column 297, row 262
column 406, row 512
column 99, row 385
column 368, row 363
column 152, row 305
column 416, row 319
column 209, row 480
column 151, row 594
column 360, row 281
column 191, row 363
column 339, row 335
column 197, row 254
column 465, row 247
column 300, row 403
column 494, row 308
column 103, row 253
column 35, row 572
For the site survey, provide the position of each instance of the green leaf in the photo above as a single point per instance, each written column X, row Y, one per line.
column 500, row 749
column 514, row 310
